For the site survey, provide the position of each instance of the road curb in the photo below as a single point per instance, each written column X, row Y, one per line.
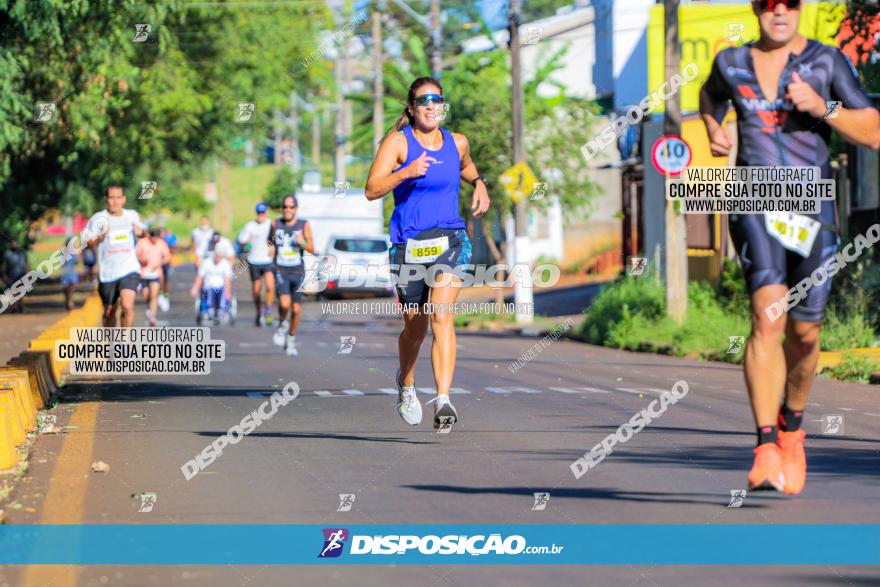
column 29, row 380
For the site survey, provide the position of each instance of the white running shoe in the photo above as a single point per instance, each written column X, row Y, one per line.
column 164, row 303
column 444, row 413
column 408, row 405
column 278, row 337
column 290, row 349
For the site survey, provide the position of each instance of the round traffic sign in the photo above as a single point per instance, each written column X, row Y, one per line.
column 671, row 155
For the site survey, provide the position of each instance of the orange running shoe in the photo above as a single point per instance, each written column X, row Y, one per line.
column 794, row 460
column 766, row 473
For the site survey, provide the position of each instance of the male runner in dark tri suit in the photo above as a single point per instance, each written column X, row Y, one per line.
column 782, row 88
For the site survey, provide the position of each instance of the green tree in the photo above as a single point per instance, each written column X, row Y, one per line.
column 127, row 111
column 282, row 184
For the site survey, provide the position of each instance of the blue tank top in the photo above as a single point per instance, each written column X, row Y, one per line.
column 430, row 201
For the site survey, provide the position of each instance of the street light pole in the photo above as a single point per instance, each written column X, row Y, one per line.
column 522, row 292
column 433, row 25
column 436, row 40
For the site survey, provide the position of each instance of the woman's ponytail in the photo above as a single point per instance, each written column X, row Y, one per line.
column 403, row 120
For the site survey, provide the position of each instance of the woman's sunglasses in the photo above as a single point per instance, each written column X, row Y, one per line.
column 765, row 5
column 425, row 98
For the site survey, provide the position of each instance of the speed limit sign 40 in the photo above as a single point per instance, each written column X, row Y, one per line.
column 671, row 155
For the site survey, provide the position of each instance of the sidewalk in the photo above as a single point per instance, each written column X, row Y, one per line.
column 43, row 306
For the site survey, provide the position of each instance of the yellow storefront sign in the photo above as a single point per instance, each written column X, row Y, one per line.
column 705, row 30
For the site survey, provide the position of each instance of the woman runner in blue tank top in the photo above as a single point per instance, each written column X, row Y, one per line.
column 424, row 164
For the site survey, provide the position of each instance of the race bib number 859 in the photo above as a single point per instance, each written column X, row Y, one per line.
column 426, row 251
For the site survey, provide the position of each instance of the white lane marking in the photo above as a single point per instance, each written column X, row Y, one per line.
column 323, row 393
column 353, row 392
column 565, row 389
column 388, row 390
column 322, row 344
column 846, row 409
column 433, row 390
column 814, row 404
column 869, row 414
column 248, row 345
column 579, row 389
column 509, row 390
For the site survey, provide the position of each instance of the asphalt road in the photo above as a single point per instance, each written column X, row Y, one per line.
column 517, row 435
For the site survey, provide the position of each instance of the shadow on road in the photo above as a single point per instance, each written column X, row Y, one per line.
column 587, row 493
column 321, row 436
column 822, row 459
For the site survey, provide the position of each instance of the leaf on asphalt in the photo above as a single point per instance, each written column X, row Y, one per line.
column 50, row 429
column 67, row 427
column 138, row 416
column 100, row 467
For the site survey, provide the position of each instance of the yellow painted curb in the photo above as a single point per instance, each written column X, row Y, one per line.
column 833, row 358
column 18, row 432
column 42, row 362
column 19, row 381
column 33, row 385
column 11, row 432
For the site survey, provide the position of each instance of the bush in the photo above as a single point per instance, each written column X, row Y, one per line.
column 615, row 308
column 847, row 326
column 732, row 291
column 631, row 314
column 853, row 368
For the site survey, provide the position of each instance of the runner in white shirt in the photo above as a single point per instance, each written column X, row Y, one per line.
column 200, row 237
column 255, row 237
column 120, row 271
column 214, row 284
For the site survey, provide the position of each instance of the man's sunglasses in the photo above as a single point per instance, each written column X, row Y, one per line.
column 425, row 98
column 286, row 206
column 765, row 5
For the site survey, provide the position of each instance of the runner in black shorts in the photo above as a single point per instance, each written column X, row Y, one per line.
column 116, row 230
column 292, row 237
column 423, row 164
column 781, row 87
column 255, row 236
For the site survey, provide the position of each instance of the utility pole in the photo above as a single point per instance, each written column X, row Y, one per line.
column 378, row 82
column 277, row 141
column 522, row 292
column 339, row 133
column 293, row 121
column 676, row 230
column 316, row 134
column 348, row 127
column 436, row 40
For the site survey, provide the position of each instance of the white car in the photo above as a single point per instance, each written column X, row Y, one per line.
column 346, row 255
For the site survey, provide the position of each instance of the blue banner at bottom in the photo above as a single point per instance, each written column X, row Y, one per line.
column 601, row 544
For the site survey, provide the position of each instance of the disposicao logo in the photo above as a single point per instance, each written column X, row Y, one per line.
column 334, row 540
